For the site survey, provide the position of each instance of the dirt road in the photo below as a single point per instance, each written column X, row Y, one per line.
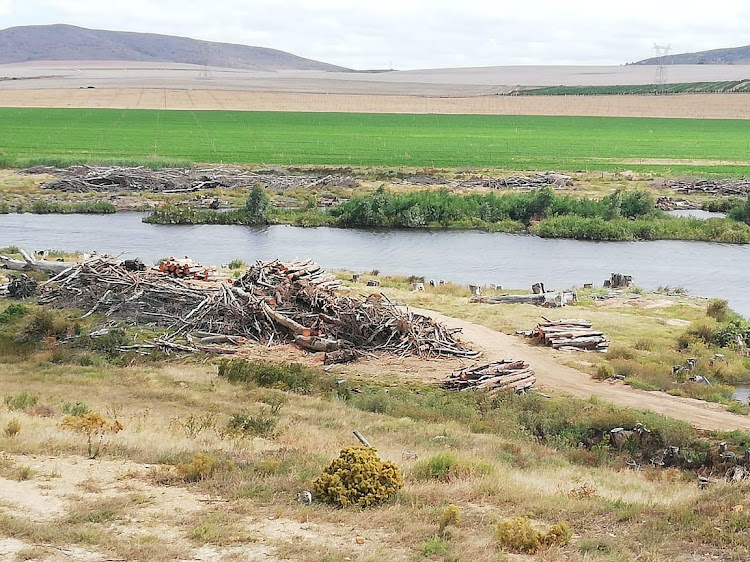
column 553, row 375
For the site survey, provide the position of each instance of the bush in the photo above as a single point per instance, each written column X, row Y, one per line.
column 94, row 427
column 12, row 428
column 46, row 323
column 718, row 309
column 243, row 424
column 12, row 312
column 237, row 264
column 77, row 409
column 451, row 515
column 518, row 535
column 20, row 400
column 292, row 376
column 200, row 467
column 446, row 466
column 358, row 477
column 258, row 205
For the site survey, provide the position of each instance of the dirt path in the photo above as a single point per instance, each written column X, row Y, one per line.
column 553, row 375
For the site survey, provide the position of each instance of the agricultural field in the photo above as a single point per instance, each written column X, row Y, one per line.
column 734, row 86
column 158, row 138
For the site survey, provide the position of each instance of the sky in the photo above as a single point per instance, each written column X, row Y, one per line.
column 411, row 34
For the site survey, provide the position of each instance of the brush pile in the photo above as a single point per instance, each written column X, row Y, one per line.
column 84, row 179
column 273, row 302
column 505, row 374
column 538, row 180
column 569, row 334
column 723, row 187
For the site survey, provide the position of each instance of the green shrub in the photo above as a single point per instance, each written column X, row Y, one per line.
column 292, row 376
column 45, row 323
column 244, row 424
column 75, row 409
column 12, row 312
column 358, row 477
column 268, row 467
column 237, row 264
column 451, row 515
column 518, row 535
column 605, row 371
column 21, row 400
column 446, row 466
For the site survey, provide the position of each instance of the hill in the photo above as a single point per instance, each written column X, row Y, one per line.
column 68, row 42
column 734, row 55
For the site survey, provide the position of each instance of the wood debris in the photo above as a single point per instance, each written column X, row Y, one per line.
column 721, row 187
column 569, row 334
column 505, row 374
column 111, row 179
column 274, row 302
column 538, row 180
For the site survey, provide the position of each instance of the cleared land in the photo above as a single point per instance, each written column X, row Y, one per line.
column 510, row 142
column 698, row 106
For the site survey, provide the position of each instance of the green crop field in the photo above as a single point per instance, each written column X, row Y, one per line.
column 156, row 137
column 736, row 86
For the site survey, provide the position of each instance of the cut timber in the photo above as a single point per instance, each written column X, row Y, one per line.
column 550, row 300
column 505, row 374
column 569, row 334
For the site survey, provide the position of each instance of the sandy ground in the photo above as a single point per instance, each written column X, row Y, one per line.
column 60, row 484
column 553, row 375
column 701, row 106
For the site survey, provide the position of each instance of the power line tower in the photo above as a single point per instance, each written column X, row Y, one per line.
column 660, row 53
column 205, row 73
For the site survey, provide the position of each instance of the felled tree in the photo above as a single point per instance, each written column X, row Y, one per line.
column 94, row 427
column 358, row 477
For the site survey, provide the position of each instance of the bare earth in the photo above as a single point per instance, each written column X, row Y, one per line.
column 134, row 85
column 553, row 375
column 698, row 106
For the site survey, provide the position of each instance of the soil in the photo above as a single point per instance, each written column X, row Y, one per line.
column 698, row 106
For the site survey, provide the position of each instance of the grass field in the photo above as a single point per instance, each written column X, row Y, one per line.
column 677, row 146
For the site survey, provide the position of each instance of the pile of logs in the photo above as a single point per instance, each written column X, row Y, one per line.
column 84, row 179
column 723, row 187
column 28, row 263
column 505, row 374
column 569, row 334
column 540, row 297
column 273, row 302
column 185, row 268
column 538, row 180
column 22, row 287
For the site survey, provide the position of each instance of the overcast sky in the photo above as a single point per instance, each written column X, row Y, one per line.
column 410, row 34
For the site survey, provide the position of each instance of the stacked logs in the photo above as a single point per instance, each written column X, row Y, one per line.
column 273, row 302
column 505, row 374
column 570, row 334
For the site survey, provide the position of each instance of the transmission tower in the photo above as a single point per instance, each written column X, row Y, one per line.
column 205, row 73
column 660, row 53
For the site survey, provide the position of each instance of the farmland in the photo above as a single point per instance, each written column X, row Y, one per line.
column 676, row 146
column 733, row 86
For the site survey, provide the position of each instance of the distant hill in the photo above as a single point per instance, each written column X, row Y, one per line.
column 735, row 55
column 68, row 42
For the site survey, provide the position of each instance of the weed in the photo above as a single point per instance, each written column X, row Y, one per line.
column 24, row 473
column 75, row 409
column 519, row 535
column 244, row 424
column 451, row 515
column 292, row 376
column 200, row 467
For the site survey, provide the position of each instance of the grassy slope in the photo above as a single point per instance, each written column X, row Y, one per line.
column 511, row 142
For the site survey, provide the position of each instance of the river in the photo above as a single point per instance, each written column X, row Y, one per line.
column 514, row 261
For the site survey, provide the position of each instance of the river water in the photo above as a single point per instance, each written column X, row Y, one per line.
column 513, row 261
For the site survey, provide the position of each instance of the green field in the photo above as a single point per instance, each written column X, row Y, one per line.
column 735, row 86
column 65, row 136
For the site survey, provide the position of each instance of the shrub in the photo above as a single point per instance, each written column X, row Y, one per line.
column 358, row 477
column 518, row 535
column 446, row 466
column 77, row 409
column 258, row 205
column 292, row 376
column 267, row 467
column 200, row 467
column 46, row 323
column 243, row 424
column 644, row 344
column 451, row 515
column 12, row 312
column 237, row 264
column 605, row 371
column 12, row 428
column 21, row 400
column 718, row 309
column 94, row 427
